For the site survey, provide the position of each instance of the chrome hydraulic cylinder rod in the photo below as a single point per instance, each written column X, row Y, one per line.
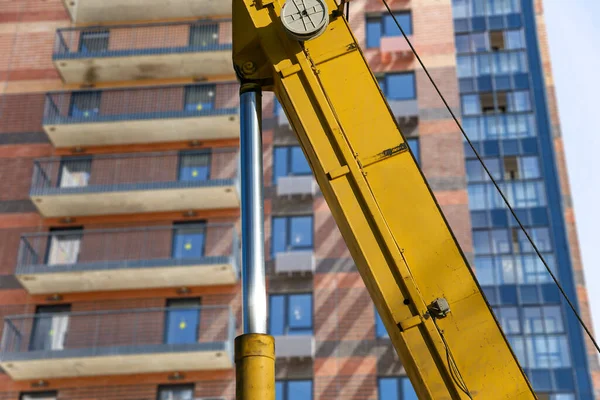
column 254, row 290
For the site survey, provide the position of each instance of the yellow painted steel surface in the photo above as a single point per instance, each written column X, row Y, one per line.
column 254, row 367
column 390, row 221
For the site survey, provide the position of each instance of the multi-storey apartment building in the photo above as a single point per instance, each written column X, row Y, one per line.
column 119, row 201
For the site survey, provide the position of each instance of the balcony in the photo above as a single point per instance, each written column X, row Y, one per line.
column 295, row 261
column 90, row 11
column 304, row 185
column 136, row 183
column 198, row 49
column 142, row 115
column 295, row 346
column 128, row 258
column 60, row 343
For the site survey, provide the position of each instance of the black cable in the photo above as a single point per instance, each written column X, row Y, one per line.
column 512, row 211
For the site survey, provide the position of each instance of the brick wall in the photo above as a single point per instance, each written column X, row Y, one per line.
column 134, row 101
column 21, row 112
column 149, row 37
column 135, row 169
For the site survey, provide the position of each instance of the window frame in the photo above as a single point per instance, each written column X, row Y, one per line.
column 286, row 315
column 103, row 34
column 190, row 153
column 188, row 93
column 171, row 305
column 379, row 20
column 95, row 97
column 382, row 81
column 288, row 162
column 288, row 235
column 179, row 226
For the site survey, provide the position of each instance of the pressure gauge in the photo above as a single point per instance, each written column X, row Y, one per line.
column 305, row 19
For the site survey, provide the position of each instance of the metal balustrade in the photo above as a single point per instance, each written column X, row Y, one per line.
column 128, row 258
column 134, row 183
column 144, row 51
column 142, row 115
column 58, row 343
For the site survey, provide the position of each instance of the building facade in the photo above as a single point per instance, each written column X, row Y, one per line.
column 119, row 201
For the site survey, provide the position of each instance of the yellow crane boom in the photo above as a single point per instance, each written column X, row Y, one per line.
column 422, row 286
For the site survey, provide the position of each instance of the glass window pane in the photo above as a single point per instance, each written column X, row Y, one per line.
column 479, row 42
column 481, row 242
column 194, row 167
column 400, row 86
column 530, row 167
column 478, row 8
column 279, row 390
column 470, row 104
column 509, row 320
column 75, row 172
column 514, row 39
column 475, row 171
column 460, row 9
column 532, row 320
column 485, row 271
column 279, row 235
column 413, row 143
column 299, row 390
column 94, row 41
column 183, row 319
column 477, row 199
column 553, row 322
column 64, row 248
column 408, row 393
column 519, row 101
column 301, row 232
column 300, row 313
column 462, row 44
column 500, row 243
column 373, row 32
column 280, row 163
column 188, row 242
column 391, row 29
column 379, row 327
column 464, row 66
column 85, row 104
column 199, row 98
column 518, row 346
column 484, row 64
column 388, row 389
column 509, row 268
column 204, row 35
column 299, row 164
column 276, row 315
column 541, row 238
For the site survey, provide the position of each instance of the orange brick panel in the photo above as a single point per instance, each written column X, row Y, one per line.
column 16, row 178
column 21, row 112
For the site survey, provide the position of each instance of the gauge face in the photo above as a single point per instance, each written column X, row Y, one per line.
column 305, row 19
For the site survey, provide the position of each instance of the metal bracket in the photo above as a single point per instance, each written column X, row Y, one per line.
column 439, row 308
column 410, row 323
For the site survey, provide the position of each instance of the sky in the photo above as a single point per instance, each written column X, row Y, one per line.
column 575, row 53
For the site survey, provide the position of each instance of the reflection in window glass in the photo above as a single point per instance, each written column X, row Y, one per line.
column 179, row 392
column 194, row 166
column 462, row 44
column 400, row 86
column 292, row 233
column 480, row 42
column 481, row 242
column 464, row 67
column 514, row 39
column 396, row 388
column 547, row 351
column 290, row 314
column 470, row 104
column 293, row 390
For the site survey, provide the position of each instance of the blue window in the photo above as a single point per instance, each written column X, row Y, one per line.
column 194, row 166
column 176, row 392
column 290, row 314
column 396, row 388
column 289, row 161
column 204, row 35
column 293, row 390
column 85, row 104
column 380, row 330
column 385, row 26
column 413, row 143
column 182, row 321
column 292, row 233
column 188, row 241
column 199, row 98
column 93, row 41
column 400, row 86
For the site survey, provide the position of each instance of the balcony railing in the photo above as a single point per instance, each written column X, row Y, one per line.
column 128, row 258
column 133, row 183
column 62, row 344
column 142, row 115
column 144, row 51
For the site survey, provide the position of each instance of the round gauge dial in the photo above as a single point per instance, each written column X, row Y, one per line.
column 305, row 19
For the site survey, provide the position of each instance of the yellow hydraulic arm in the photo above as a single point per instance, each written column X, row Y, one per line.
column 415, row 272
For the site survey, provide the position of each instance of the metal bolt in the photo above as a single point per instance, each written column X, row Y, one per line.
column 248, row 68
